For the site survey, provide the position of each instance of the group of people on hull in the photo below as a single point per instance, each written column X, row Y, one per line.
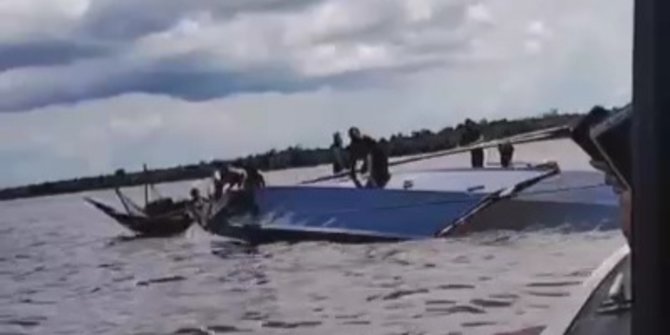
column 375, row 158
column 227, row 179
column 362, row 148
column 472, row 135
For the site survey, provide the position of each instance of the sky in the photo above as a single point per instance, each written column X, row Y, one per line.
column 89, row 86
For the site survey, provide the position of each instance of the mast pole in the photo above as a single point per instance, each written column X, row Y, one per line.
column 651, row 168
column 146, row 184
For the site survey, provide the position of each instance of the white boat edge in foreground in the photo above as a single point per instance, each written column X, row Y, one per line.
column 562, row 323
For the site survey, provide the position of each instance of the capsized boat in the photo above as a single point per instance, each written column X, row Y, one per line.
column 160, row 217
column 414, row 205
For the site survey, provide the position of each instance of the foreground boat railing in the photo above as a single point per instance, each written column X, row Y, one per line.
column 565, row 320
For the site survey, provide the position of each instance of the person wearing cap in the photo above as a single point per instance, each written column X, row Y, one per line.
column 365, row 148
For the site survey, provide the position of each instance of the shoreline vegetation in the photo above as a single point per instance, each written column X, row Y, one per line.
column 417, row 142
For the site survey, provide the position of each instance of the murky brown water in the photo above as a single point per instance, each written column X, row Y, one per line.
column 65, row 270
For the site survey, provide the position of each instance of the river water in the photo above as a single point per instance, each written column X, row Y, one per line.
column 66, row 269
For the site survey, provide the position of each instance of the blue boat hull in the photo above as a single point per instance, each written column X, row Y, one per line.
column 344, row 215
column 415, row 205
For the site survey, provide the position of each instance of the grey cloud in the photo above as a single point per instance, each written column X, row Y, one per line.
column 129, row 19
column 46, row 53
column 394, row 27
column 145, row 52
column 433, row 79
column 174, row 78
column 203, row 73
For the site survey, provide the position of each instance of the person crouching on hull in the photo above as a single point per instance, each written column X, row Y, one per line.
column 365, row 148
column 245, row 199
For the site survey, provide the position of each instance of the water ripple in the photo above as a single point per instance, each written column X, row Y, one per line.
column 76, row 273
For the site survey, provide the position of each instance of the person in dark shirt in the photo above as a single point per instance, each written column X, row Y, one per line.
column 368, row 150
column 253, row 179
column 226, row 179
column 470, row 136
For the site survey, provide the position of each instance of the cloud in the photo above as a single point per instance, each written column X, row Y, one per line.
column 479, row 12
column 45, row 53
column 128, row 19
column 37, row 19
column 98, row 85
column 537, row 28
column 256, row 48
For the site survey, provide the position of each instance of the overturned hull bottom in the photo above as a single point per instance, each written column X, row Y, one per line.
column 506, row 214
column 339, row 215
column 256, row 235
column 523, row 215
column 349, row 215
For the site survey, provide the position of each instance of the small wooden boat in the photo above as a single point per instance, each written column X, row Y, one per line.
column 160, row 217
column 163, row 217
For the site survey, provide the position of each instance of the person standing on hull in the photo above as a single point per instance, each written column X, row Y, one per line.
column 506, row 151
column 365, row 148
column 472, row 135
column 338, row 153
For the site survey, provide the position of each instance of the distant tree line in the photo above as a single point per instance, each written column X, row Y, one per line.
column 421, row 141
column 417, row 142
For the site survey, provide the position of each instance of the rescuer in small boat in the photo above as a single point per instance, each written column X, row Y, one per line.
column 471, row 135
column 365, row 148
column 218, row 185
column 506, row 151
column 196, row 200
